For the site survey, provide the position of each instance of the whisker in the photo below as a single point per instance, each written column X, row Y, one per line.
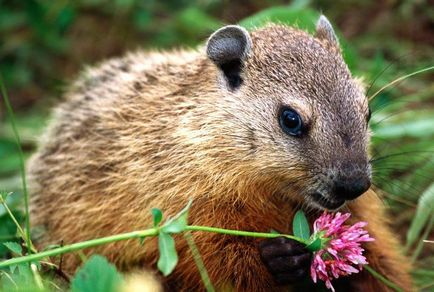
column 398, row 80
column 410, row 189
column 414, row 161
column 378, row 172
column 394, row 198
column 376, row 159
column 390, row 116
column 393, row 62
column 409, row 99
column 401, row 186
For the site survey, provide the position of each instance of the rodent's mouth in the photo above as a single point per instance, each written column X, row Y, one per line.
column 326, row 202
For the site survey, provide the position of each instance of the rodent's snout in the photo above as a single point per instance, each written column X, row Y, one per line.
column 352, row 180
column 341, row 184
column 350, row 187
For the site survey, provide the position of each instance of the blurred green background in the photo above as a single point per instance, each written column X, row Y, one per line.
column 44, row 44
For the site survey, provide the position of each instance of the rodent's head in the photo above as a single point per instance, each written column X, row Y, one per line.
column 305, row 118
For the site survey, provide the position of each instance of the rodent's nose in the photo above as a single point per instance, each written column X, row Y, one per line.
column 351, row 188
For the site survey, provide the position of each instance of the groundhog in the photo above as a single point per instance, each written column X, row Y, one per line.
column 252, row 127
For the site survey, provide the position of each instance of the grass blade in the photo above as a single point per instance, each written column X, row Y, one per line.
column 422, row 242
column 199, row 262
column 11, row 115
column 425, row 208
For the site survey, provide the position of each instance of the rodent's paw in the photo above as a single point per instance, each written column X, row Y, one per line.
column 287, row 260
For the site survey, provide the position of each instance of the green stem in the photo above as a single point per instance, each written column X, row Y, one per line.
column 79, row 246
column 154, row 232
column 383, row 279
column 21, row 156
column 132, row 235
column 242, row 233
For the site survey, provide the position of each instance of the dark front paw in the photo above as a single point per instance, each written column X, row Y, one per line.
column 286, row 259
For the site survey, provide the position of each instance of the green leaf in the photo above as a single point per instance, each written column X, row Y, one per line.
column 314, row 245
column 97, row 275
column 157, row 215
column 12, row 268
column 14, row 247
column 20, row 278
column 425, row 209
column 175, row 226
column 10, row 159
column 8, row 230
column 179, row 222
column 413, row 127
column 300, row 226
column 25, row 272
column 194, row 21
column 423, row 276
column 168, row 256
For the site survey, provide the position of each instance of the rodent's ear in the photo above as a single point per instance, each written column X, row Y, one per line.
column 227, row 48
column 324, row 31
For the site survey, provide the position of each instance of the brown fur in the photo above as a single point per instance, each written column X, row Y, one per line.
column 156, row 129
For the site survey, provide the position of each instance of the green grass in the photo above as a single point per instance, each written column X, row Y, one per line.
column 42, row 44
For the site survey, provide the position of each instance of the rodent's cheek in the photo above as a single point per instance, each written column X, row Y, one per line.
column 281, row 162
column 295, row 181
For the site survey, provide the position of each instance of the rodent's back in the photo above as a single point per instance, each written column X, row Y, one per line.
column 108, row 140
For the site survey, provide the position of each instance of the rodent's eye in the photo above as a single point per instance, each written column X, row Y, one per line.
column 290, row 122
